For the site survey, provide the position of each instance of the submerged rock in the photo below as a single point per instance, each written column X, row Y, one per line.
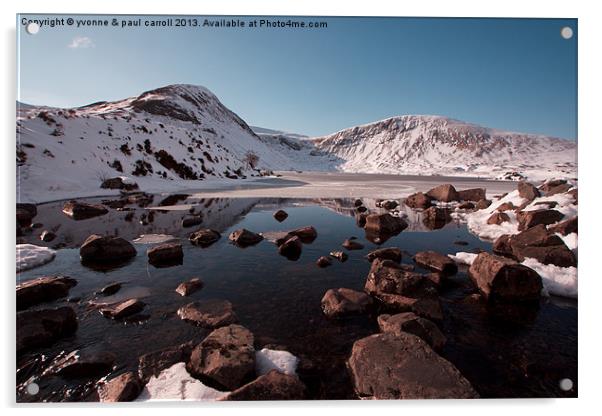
column 413, row 324
column 389, row 253
column 43, row 327
column 189, row 287
column 204, row 237
column 110, row 289
column 123, row 309
column 210, row 313
column 427, row 307
column 244, row 238
column 25, row 213
column 343, row 301
column 502, row 279
column 350, row 244
column 82, row 363
column 226, row 357
column 403, row 366
column 82, row 210
column 124, row 388
column 271, row 386
column 323, row 261
column 166, row 254
column 43, row 289
column 436, row 261
column 388, row 277
column 47, row 236
column 192, row 221
column 106, row 249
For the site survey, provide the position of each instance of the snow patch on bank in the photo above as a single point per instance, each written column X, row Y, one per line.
column 267, row 360
column 30, row 256
column 477, row 221
column 560, row 281
column 175, row 383
column 463, row 257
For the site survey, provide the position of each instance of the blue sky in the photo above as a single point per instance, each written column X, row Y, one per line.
column 511, row 74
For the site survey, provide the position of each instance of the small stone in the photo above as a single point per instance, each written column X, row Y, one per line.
column 189, row 287
column 339, row 255
column 123, row 309
column 280, row 215
column 324, row 261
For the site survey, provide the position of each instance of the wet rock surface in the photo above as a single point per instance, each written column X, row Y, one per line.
column 344, row 301
column 413, row 324
column 43, row 289
column 123, row 388
column 387, row 253
column 444, row 193
column 42, row 327
column 82, row 210
column 123, row 309
column 244, row 238
column 165, row 255
column 189, row 287
column 204, row 237
column 436, row 261
column 211, row 313
column 271, row 386
column 106, row 249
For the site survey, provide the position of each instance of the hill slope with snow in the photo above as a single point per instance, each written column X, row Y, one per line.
column 427, row 145
column 167, row 138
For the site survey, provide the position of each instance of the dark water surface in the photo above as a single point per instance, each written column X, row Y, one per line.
column 279, row 299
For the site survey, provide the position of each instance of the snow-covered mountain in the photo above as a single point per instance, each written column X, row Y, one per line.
column 426, row 145
column 167, row 138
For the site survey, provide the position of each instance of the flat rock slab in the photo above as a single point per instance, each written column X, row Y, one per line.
column 271, row 386
column 413, row 324
column 344, row 301
column 123, row 309
column 389, row 277
column 403, row 366
column 226, row 357
column 211, row 313
column 43, row 289
column 436, row 262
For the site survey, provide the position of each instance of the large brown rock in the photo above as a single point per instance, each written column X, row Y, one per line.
column 226, row 357
column 125, row 387
column 427, row 307
column 291, row 248
column 528, row 191
column 498, row 218
column 385, row 224
column 413, row 324
column 444, row 193
column 565, row 227
column 437, row 262
column 204, row 237
column 123, row 309
column 151, row 364
column 419, row 200
column 386, row 276
column 271, row 386
column 435, row 218
column 482, row 204
column 502, row 279
column 403, row 366
column 43, row 327
column 306, row 234
column 388, row 253
column 473, row 194
column 343, row 301
column 528, row 219
column 43, row 289
column 82, row 210
column 211, row 313
column 166, row 254
column 506, row 206
column 106, row 249
column 244, row 238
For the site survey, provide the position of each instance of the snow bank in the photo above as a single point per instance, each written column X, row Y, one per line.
column 175, row 383
column 283, row 361
column 463, row 257
column 477, row 221
column 560, row 281
column 30, row 256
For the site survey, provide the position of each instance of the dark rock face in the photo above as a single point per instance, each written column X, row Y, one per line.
column 82, row 363
column 528, row 219
column 192, row 221
column 358, row 203
column 151, row 364
column 291, row 248
column 307, row 235
column 360, row 220
column 280, row 215
column 271, row 386
column 123, row 309
column 482, row 204
column 211, row 313
column 106, row 249
column 385, row 224
column 43, row 327
column 43, row 289
column 435, row 218
column 466, row 205
column 343, row 301
column 528, row 191
column 550, row 184
column 350, row 244
column 47, row 236
column 444, row 193
column 323, row 262
column 25, row 213
column 437, row 262
column 339, row 255
column 389, row 205
column 386, row 276
column 419, row 200
column 498, row 218
column 244, row 238
column 538, row 243
column 361, row 209
column 557, row 189
column 167, row 254
column 110, row 289
column 173, row 199
column 123, row 388
column 565, row 227
column 403, row 366
column 506, row 206
column 226, row 357
column 189, row 287
column 427, row 307
column 502, row 279
column 82, row 210
column 474, row 194
column 204, row 237
column 117, row 183
column 388, row 253
column 413, row 324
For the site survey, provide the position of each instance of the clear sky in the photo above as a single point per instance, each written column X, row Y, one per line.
column 517, row 75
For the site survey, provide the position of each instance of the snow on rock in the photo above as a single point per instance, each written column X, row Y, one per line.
column 560, row 281
column 175, row 383
column 463, row 257
column 570, row 240
column 30, row 256
column 477, row 221
column 283, row 361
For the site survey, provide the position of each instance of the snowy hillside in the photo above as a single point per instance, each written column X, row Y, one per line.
column 426, row 145
column 169, row 138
